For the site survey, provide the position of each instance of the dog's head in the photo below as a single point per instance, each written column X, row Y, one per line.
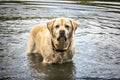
column 62, row 28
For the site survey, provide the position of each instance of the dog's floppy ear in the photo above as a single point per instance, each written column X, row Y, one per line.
column 74, row 24
column 50, row 25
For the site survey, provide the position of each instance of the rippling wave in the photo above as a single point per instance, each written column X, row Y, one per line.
column 97, row 39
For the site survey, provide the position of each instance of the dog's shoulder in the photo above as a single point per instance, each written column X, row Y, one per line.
column 38, row 28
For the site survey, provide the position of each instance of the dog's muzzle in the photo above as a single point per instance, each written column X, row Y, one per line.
column 62, row 35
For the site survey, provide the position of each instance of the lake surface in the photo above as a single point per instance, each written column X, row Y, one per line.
column 97, row 40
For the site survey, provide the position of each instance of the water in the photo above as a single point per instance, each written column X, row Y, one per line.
column 97, row 40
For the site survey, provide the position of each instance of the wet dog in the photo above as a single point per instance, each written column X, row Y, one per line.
column 54, row 40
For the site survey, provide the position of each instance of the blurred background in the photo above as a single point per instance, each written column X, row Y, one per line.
column 97, row 39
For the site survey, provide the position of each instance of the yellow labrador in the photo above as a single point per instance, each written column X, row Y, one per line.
column 53, row 40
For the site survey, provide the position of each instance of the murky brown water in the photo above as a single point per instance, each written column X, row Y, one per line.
column 97, row 40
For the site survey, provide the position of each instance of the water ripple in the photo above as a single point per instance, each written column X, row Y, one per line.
column 97, row 39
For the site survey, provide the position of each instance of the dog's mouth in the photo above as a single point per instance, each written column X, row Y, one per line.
column 63, row 38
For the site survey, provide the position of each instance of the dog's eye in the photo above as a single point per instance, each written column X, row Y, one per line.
column 66, row 26
column 57, row 26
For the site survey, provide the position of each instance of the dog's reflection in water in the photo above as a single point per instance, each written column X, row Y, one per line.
column 42, row 71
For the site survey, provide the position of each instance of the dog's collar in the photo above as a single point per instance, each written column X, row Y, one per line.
column 59, row 50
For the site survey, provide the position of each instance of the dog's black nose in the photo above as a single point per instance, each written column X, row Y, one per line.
column 62, row 32
column 62, row 35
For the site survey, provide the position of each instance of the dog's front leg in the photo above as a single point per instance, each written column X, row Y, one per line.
column 30, row 45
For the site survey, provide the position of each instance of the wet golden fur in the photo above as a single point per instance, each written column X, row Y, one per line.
column 42, row 34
